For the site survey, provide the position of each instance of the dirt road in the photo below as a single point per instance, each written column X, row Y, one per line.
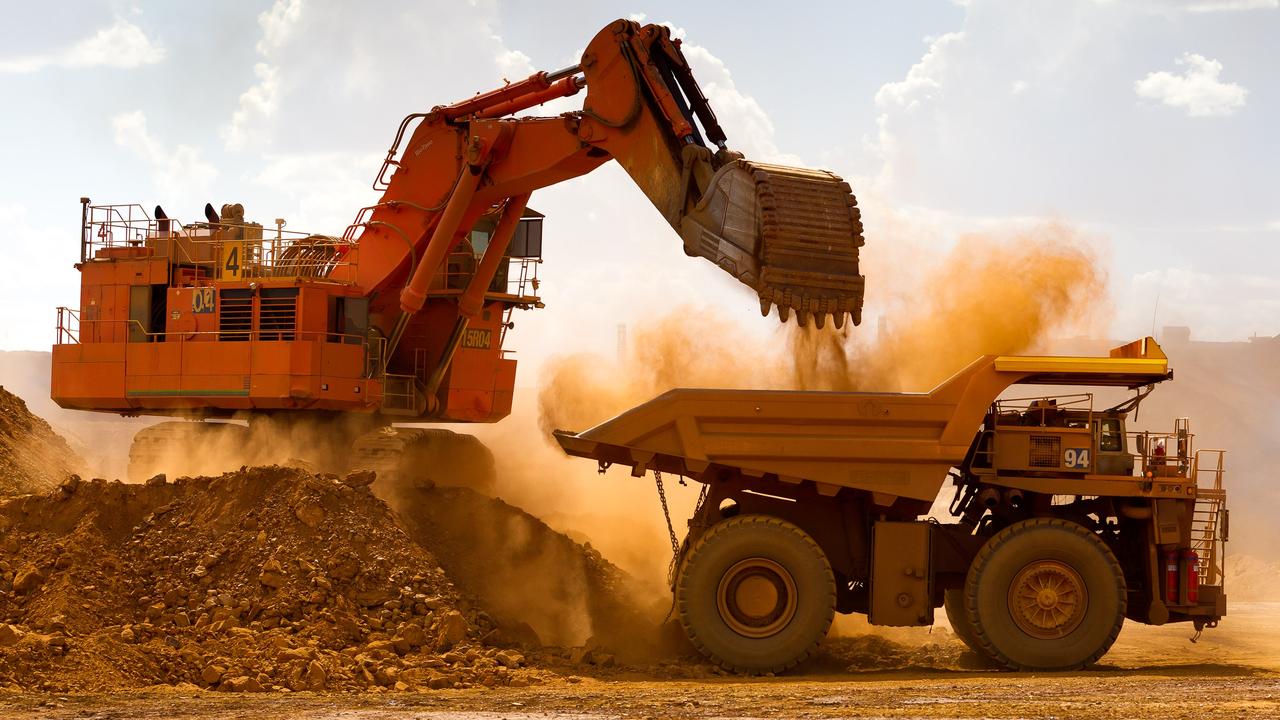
column 1152, row 673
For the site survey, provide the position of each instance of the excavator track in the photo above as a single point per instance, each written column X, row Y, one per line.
column 424, row 458
column 187, row 448
column 791, row 234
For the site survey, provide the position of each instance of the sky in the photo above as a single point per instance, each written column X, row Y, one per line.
column 1148, row 125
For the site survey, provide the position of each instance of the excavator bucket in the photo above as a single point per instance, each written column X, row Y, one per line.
column 791, row 234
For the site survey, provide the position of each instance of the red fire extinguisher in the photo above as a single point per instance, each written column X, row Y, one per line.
column 1171, row 577
column 1191, row 565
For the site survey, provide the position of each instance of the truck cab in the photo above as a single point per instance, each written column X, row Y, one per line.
column 1053, row 435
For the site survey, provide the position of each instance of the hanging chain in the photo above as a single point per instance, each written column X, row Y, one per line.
column 666, row 511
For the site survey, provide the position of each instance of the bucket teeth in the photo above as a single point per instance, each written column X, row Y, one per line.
column 810, row 231
column 838, row 319
column 791, row 234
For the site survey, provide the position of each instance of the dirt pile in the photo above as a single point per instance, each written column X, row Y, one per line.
column 264, row 579
column 33, row 458
column 540, row 586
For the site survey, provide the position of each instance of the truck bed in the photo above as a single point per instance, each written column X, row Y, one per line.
column 895, row 444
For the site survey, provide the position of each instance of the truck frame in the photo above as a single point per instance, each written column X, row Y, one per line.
column 1064, row 524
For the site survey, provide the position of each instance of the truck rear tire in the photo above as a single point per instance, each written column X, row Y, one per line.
column 756, row 594
column 1045, row 594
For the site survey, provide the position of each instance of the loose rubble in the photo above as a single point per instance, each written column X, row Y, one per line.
column 267, row 579
column 33, row 458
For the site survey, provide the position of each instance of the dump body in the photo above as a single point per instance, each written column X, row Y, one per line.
column 813, row 503
column 891, row 444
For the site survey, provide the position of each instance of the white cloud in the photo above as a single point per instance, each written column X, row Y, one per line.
column 1018, row 87
column 1232, row 5
column 179, row 170
column 745, row 122
column 924, row 80
column 1197, row 89
column 122, row 45
column 513, row 64
column 326, row 187
column 259, row 101
column 278, row 24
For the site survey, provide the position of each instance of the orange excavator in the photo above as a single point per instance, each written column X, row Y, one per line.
column 403, row 318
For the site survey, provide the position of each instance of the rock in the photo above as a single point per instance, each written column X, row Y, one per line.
column 309, row 513
column 315, row 676
column 10, row 635
column 28, row 579
column 70, row 485
column 373, row 597
column 509, row 658
column 212, row 673
column 380, row 646
column 440, row 682
column 272, row 574
column 581, row 656
column 158, row 479
column 453, row 630
column 360, row 478
column 128, row 635
column 242, row 683
column 409, row 636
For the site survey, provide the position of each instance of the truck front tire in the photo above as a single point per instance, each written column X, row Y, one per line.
column 1045, row 594
column 756, row 594
column 958, row 616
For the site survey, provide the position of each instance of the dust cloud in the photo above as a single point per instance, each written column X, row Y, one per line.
column 988, row 295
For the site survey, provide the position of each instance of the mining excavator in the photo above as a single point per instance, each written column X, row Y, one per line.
column 404, row 317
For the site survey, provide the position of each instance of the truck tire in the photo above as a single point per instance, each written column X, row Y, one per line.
column 958, row 616
column 1045, row 594
column 756, row 594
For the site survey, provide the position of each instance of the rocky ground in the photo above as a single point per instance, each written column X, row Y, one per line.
column 32, row 456
column 1152, row 673
column 266, row 579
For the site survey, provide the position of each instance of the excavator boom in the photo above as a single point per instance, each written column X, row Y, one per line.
column 791, row 234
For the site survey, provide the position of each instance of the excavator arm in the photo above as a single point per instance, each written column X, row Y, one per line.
column 790, row 234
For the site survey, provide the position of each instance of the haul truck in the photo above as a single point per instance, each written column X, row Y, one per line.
column 1064, row 522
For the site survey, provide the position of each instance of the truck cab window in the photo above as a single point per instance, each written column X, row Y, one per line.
column 1110, row 439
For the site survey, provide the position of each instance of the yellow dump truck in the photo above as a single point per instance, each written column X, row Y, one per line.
column 1063, row 522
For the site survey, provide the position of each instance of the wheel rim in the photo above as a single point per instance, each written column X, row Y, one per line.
column 756, row 597
column 1048, row 599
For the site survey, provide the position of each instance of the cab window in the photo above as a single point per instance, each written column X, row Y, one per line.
column 1110, row 439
